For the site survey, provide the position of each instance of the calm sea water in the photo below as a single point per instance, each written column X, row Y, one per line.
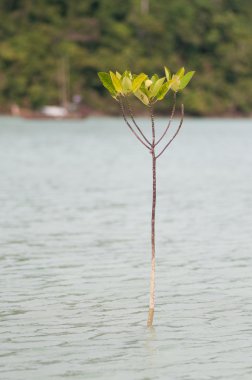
column 75, row 201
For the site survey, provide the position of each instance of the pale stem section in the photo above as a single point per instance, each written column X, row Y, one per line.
column 153, row 214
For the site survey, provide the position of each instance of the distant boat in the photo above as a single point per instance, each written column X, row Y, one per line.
column 66, row 109
column 63, row 110
column 50, row 112
column 54, row 111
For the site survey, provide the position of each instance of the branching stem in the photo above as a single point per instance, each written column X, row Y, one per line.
column 171, row 118
column 130, row 127
column 175, row 134
column 134, row 121
column 151, row 147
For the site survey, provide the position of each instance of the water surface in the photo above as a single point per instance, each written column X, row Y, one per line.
column 75, row 202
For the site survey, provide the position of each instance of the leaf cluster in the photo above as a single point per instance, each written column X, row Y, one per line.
column 147, row 89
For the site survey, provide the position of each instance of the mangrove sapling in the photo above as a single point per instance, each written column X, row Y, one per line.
column 148, row 91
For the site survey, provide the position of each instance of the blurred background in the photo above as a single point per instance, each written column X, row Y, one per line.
column 75, row 195
column 51, row 50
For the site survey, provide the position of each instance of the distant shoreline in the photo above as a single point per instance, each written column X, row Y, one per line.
column 85, row 112
column 37, row 116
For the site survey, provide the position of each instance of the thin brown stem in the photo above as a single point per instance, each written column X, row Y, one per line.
column 152, row 126
column 130, row 127
column 153, row 214
column 171, row 118
column 135, row 123
column 175, row 134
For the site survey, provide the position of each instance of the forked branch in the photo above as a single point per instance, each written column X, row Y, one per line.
column 130, row 127
column 134, row 121
column 171, row 118
column 175, row 134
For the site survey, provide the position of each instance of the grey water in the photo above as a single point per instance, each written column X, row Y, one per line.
column 75, row 207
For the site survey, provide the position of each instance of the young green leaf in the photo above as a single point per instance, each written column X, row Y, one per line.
column 126, row 85
column 145, row 89
column 181, row 72
column 154, row 78
column 141, row 96
column 156, row 87
column 118, row 75
column 127, row 74
column 163, row 91
column 116, row 82
column 175, row 83
column 186, row 79
column 167, row 73
column 138, row 81
column 107, row 82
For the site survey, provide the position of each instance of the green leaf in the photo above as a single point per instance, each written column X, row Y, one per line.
column 181, row 72
column 156, row 87
column 141, row 96
column 126, row 74
column 163, row 91
column 118, row 75
column 186, row 79
column 138, row 81
column 126, row 85
column 154, row 78
column 116, row 82
column 144, row 89
column 174, row 83
column 107, row 82
column 167, row 73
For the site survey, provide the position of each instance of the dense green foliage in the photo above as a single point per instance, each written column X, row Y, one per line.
column 43, row 39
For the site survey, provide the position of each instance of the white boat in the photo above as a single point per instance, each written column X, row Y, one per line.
column 54, row 111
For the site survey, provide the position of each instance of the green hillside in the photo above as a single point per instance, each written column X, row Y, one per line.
column 48, row 44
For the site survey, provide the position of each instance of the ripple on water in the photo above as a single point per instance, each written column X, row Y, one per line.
column 74, row 252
